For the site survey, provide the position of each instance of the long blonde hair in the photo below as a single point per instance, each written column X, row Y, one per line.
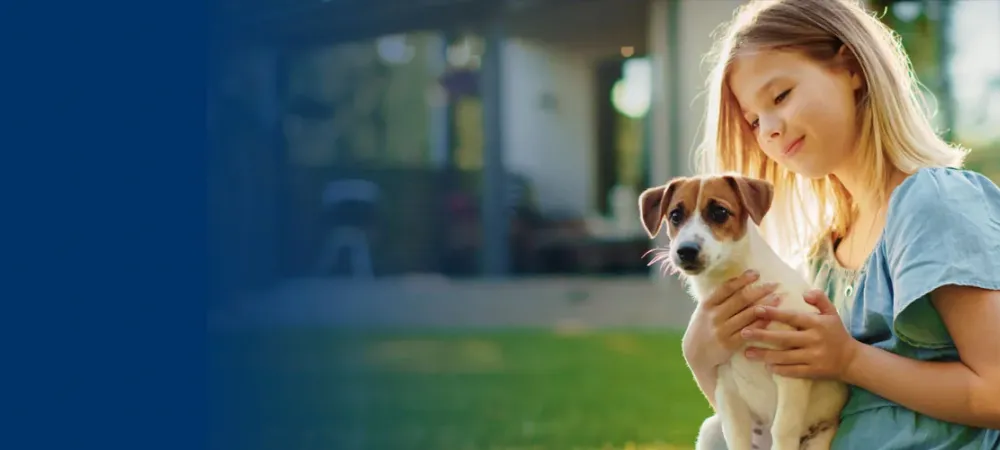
column 894, row 127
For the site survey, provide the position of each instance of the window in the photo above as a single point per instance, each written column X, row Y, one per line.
column 367, row 102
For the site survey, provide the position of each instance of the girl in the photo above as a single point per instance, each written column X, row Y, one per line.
column 816, row 96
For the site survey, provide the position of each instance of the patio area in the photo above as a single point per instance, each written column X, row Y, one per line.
column 436, row 303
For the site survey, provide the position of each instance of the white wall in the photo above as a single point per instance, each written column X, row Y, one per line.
column 698, row 19
column 549, row 123
column 556, row 146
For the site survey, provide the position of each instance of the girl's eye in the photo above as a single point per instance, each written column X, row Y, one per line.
column 754, row 124
column 781, row 96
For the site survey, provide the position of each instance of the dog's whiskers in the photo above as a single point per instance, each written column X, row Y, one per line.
column 661, row 255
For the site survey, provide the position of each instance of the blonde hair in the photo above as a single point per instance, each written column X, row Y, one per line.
column 894, row 130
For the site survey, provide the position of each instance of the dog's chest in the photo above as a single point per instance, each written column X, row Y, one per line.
column 754, row 384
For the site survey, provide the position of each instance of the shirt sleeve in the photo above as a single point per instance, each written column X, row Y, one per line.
column 943, row 229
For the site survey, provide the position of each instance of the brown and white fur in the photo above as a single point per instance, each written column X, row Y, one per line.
column 712, row 223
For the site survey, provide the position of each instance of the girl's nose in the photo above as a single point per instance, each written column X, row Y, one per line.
column 771, row 127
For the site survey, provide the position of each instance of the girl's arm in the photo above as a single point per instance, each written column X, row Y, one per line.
column 713, row 334
column 966, row 392
column 705, row 375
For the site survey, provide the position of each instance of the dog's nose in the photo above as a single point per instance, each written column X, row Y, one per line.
column 688, row 252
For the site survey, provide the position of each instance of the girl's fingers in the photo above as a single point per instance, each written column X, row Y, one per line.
column 748, row 317
column 778, row 357
column 745, row 299
column 780, row 338
column 793, row 318
column 731, row 287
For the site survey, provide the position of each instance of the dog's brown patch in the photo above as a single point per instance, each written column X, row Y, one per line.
column 724, row 203
column 814, row 431
column 656, row 204
column 722, row 210
column 755, row 196
column 652, row 206
column 684, row 202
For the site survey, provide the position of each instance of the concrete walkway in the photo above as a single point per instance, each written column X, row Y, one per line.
column 430, row 302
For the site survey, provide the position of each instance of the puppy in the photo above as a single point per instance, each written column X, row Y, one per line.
column 712, row 222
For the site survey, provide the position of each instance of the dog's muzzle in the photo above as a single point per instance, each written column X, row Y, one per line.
column 689, row 256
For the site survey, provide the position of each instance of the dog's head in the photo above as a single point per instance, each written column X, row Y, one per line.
column 707, row 217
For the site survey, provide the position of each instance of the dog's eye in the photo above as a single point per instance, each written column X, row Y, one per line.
column 718, row 214
column 675, row 217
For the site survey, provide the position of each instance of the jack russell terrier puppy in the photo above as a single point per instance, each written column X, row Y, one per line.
column 712, row 222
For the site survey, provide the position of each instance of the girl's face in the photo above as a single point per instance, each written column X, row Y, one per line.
column 802, row 114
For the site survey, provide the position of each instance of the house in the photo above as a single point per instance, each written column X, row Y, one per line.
column 579, row 101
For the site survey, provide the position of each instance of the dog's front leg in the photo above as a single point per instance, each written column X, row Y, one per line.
column 790, row 415
column 737, row 422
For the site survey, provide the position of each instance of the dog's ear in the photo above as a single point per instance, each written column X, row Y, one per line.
column 653, row 203
column 756, row 195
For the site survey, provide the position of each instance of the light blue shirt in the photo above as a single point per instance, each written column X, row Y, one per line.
column 942, row 228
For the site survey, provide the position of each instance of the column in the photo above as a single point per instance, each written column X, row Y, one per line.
column 680, row 37
column 440, row 114
column 660, row 119
column 946, row 102
column 495, row 217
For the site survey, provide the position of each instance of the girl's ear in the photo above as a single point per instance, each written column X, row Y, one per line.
column 847, row 60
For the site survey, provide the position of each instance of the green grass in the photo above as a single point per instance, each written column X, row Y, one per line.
column 315, row 389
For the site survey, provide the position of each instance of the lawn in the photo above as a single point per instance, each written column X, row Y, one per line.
column 316, row 389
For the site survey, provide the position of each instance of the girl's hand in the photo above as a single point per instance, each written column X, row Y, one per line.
column 820, row 347
column 714, row 332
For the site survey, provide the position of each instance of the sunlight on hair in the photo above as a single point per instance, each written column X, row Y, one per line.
column 893, row 115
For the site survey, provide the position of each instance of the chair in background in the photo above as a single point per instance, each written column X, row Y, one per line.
column 349, row 212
